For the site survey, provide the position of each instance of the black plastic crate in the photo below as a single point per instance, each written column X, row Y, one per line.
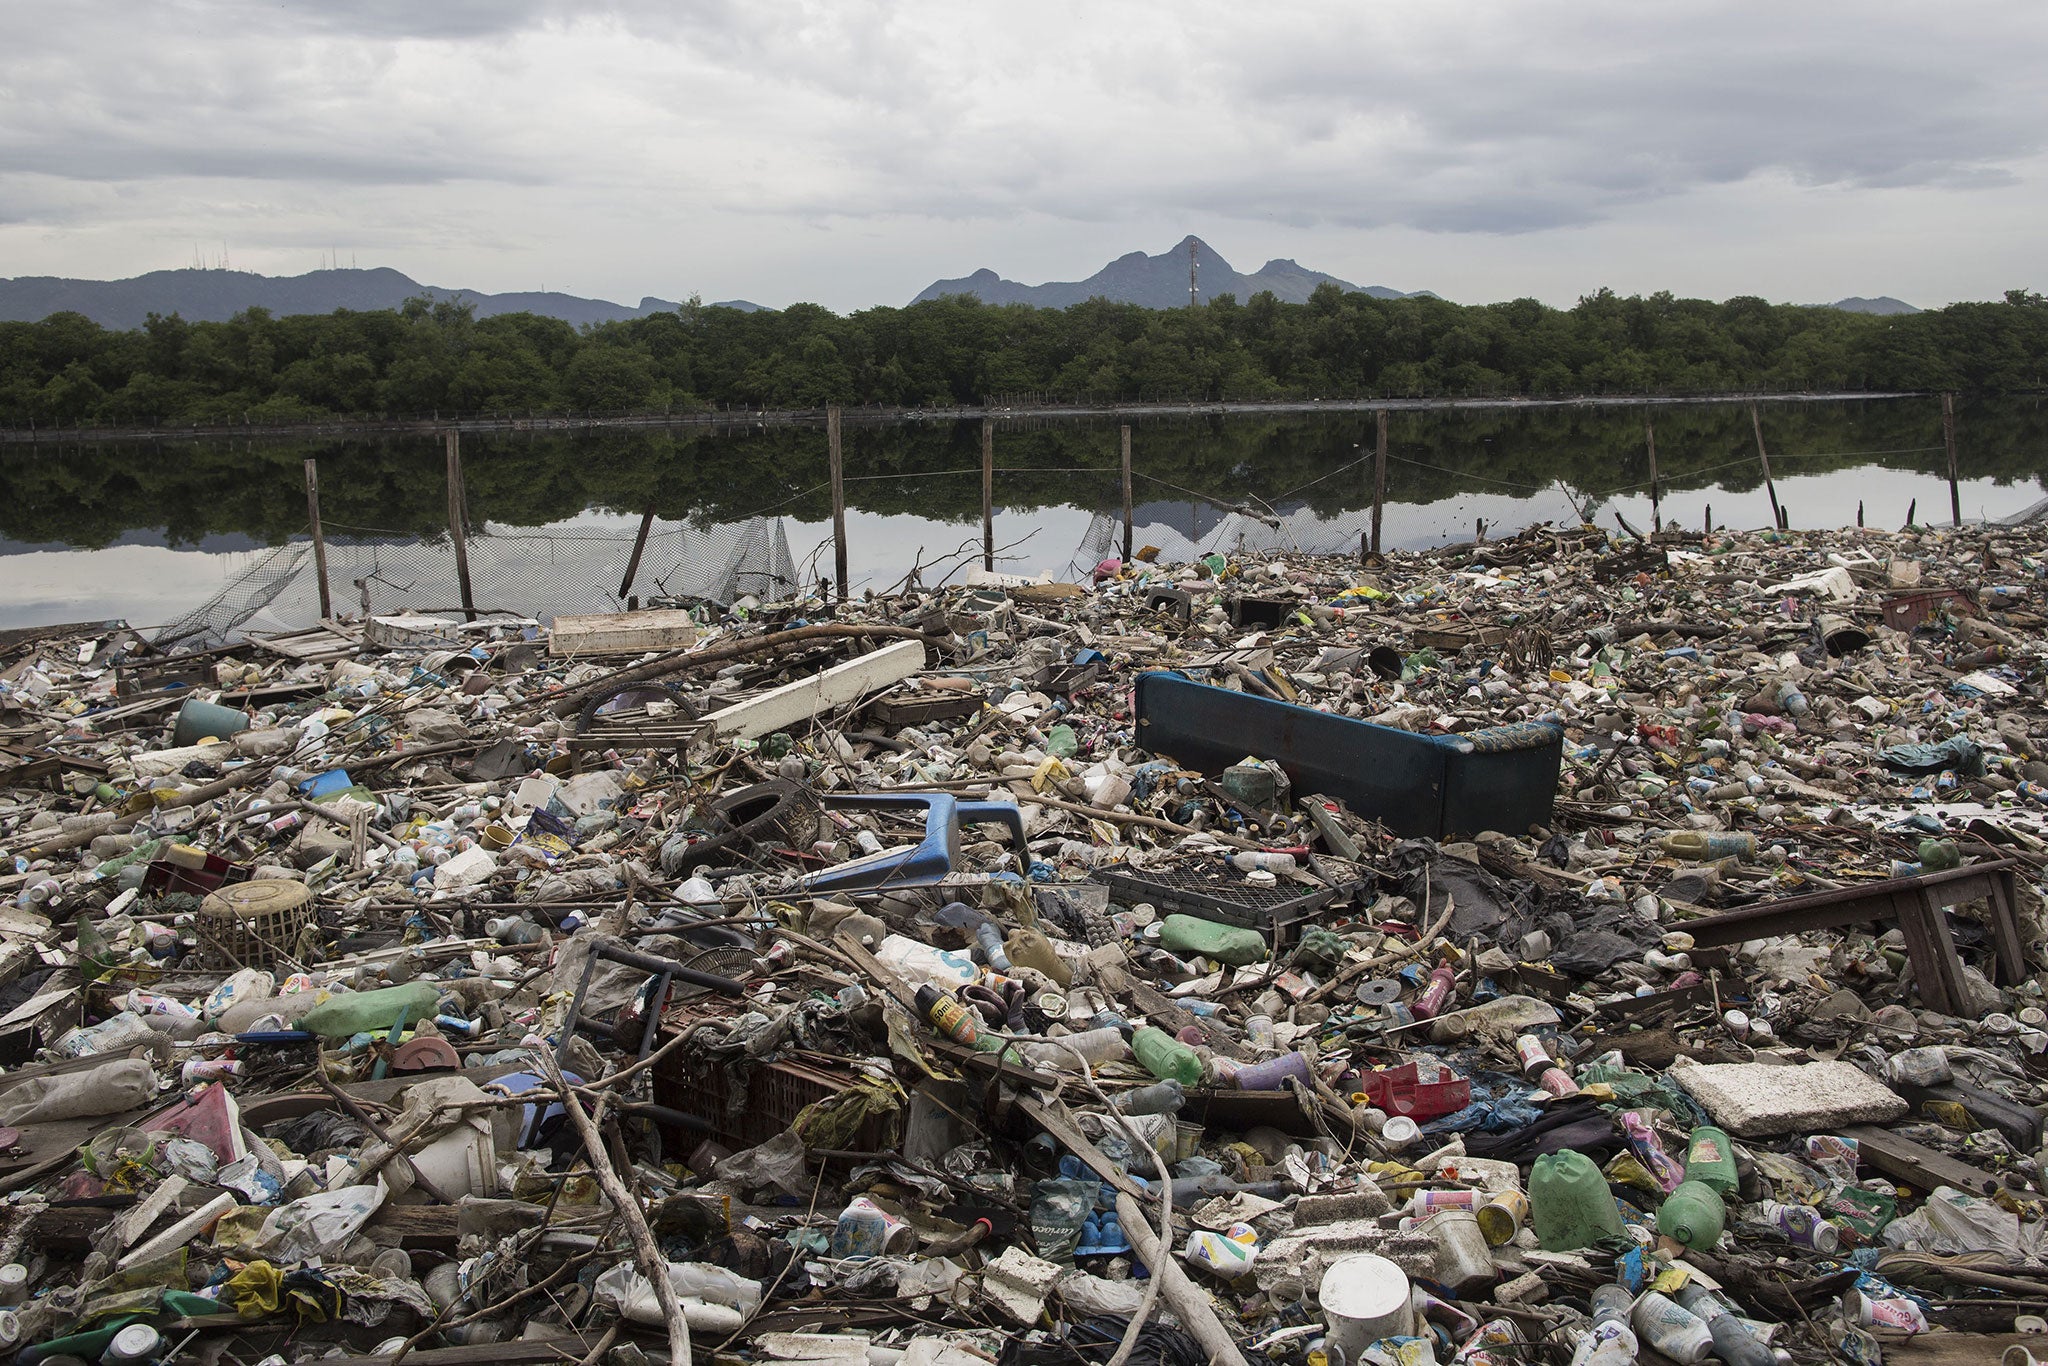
column 1221, row 894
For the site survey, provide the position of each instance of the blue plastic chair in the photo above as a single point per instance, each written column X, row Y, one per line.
column 933, row 858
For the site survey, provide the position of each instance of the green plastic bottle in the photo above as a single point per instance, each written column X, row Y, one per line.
column 1569, row 1203
column 1166, row 1057
column 1693, row 1215
column 1710, row 1160
column 95, row 955
column 365, row 1012
column 1224, row 943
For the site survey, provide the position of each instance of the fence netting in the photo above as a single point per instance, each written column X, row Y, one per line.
column 540, row 573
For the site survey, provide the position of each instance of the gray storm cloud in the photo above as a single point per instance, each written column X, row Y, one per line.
column 288, row 122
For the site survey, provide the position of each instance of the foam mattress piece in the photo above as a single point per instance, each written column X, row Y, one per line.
column 1755, row 1100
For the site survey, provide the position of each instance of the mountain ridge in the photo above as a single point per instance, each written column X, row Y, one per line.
column 1157, row 282
column 200, row 295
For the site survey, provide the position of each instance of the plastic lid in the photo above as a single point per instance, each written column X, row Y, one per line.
column 253, row 900
column 133, row 1343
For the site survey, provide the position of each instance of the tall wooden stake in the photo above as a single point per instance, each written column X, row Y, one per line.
column 458, row 524
column 319, row 541
column 1764, row 456
column 639, row 545
column 1127, row 493
column 1948, row 438
column 1656, row 493
column 988, row 493
column 834, row 456
column 1379, row 480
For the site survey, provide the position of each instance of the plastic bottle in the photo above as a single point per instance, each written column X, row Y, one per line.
column 992, row 951
column 1098, row 1046
column 1672, row 1329
column 1710, row 1160
column 1166, row 1057
column 1264, row 861
column 1692, row 1215
column 1733, row 1342
column 95, row 955
column 1273, row 1074
column 1643, row 1142
column 1709, row 844
column 1610, row 1341
column 947, row 1015
column 360, row 1012
column 512, row 929
column 1224, row 943
column 1436, row 994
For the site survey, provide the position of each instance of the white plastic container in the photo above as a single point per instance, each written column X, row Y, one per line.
column 1364, row 1298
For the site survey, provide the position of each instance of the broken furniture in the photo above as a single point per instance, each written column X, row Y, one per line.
column 1500, row 778
column 1918, row 904
column 933, row 857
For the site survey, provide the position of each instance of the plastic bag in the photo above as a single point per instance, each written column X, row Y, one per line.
column 1951, row 1223
column 318, row 1225
column 1059, row 1208
column 109, row 1089
column 714, row 1299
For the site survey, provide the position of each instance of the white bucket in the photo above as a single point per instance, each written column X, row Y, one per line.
column 1464, row 1262
column 1364, row 1299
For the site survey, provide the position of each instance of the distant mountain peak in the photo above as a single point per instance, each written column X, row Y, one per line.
column 1156, row 282
column 1883, row 304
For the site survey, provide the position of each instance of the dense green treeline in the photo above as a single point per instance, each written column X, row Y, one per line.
column 438, row 358
column 91, row 496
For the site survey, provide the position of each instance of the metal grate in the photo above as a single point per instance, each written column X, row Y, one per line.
column 1221, row 895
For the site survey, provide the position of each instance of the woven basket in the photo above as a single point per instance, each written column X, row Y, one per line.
column 256, row 923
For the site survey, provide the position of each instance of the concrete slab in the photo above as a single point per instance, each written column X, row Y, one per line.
column 1753, row 1100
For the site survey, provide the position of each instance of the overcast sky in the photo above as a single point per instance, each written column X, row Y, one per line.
column 849, row 153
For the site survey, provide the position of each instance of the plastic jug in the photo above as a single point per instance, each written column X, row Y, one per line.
column 359, row 1012
column 1225, row 943
column 1166, row 1057
column 1569, row 1202
column 1692, row 1215
column 1710, row 1160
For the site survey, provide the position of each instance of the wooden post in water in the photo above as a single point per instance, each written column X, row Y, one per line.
column 1379, row 480
column 1948, row 439
column 639, row 545
column 1709, row 528
column 1859, row 514
column 835, row 459
column 458, row 524
column 1127, row 492
column 1764, row 456
column 319, row 541
column 1656, row 493
column 988, row 493
column 1912, row 509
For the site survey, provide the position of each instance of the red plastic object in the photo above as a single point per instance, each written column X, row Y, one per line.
column 209, row 1116
column 1401, row 1091
column 164, row 876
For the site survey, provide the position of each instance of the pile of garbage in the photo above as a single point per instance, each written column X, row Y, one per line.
column 1572, row 948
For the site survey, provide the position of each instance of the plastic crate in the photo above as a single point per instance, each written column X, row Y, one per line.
column 774, row 1095
column 1222, row 895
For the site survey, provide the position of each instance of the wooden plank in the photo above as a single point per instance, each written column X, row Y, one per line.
column 619, row 633
column 1917, row 1165
column 839, row 686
